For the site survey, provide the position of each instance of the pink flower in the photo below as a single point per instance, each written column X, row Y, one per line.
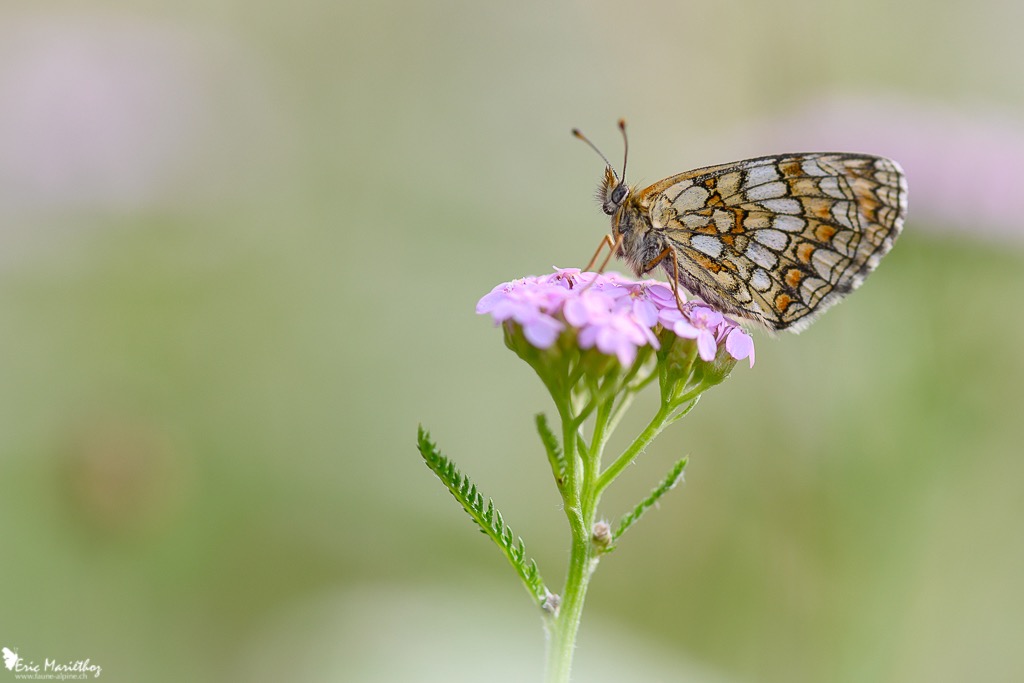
column 611, row 313
column 739, row 344
column 528, row 304
column 609, row 321
column 696, row 322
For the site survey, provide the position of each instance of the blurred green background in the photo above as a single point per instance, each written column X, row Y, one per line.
column 240, row 249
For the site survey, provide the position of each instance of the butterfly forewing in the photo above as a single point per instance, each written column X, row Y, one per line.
column 779, row 239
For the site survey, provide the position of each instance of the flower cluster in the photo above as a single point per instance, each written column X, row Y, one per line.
column 613, row 314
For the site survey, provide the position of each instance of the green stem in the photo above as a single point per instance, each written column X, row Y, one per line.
column 654, row 427
column 581, row 494
column 581, row 497
column 562, row 629
column 620, row 408
column 601, row 431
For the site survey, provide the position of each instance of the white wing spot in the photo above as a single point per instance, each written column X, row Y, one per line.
column 706, row 244
column 824, row 262
column 790, row 206
column 841, row 242
column 760, row 175
column 760, row 280
column 773, row 239
column 724, row 220
column 841, row 212
column 832, row 188
column 761, row 256
column 767, row 191
column 810, row 167
column 789, row 223
column 810, row 287
column 692, row 198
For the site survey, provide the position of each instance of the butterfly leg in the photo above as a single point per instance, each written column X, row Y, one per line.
column 613, row 246
column 668, row 251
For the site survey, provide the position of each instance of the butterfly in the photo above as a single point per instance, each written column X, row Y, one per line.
column 11, row 659
column 775, row 240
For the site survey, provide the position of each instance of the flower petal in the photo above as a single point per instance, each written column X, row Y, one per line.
column 542, row 331
column 685, row 330
column 662, row 295
column 607, row 311
column 740, row 345
column 706, row 346
column 645, row 312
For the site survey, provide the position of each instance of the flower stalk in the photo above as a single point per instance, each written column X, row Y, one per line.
column 596, row 341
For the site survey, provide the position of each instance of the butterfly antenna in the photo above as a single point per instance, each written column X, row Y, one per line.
column 625, row 142
column 576, row 132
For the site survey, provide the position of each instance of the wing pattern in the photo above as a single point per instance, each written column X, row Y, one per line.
column 780, row 239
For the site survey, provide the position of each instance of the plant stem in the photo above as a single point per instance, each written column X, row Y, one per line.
column 580, row 497
column 654, row 427
column 581, row 493
column 562, row 630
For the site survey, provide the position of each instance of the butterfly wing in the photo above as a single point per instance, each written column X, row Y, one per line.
column 10, row 658
column 779, row 239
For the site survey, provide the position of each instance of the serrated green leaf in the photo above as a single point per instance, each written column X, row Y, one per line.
column 488, row 519
column 555, row 455
column 674, row 476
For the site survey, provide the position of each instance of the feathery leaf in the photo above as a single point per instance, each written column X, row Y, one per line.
column 489, row 518
column 674, row 476
column 555, row 455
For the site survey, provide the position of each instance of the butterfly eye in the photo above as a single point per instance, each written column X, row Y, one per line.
column 618, row 194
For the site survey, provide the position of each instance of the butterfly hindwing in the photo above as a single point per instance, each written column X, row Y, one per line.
column 779, row 239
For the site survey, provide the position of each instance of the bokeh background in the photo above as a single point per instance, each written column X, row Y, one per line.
column 240, row 248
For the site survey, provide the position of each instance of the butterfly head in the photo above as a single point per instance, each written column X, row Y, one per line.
column 613, row 190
